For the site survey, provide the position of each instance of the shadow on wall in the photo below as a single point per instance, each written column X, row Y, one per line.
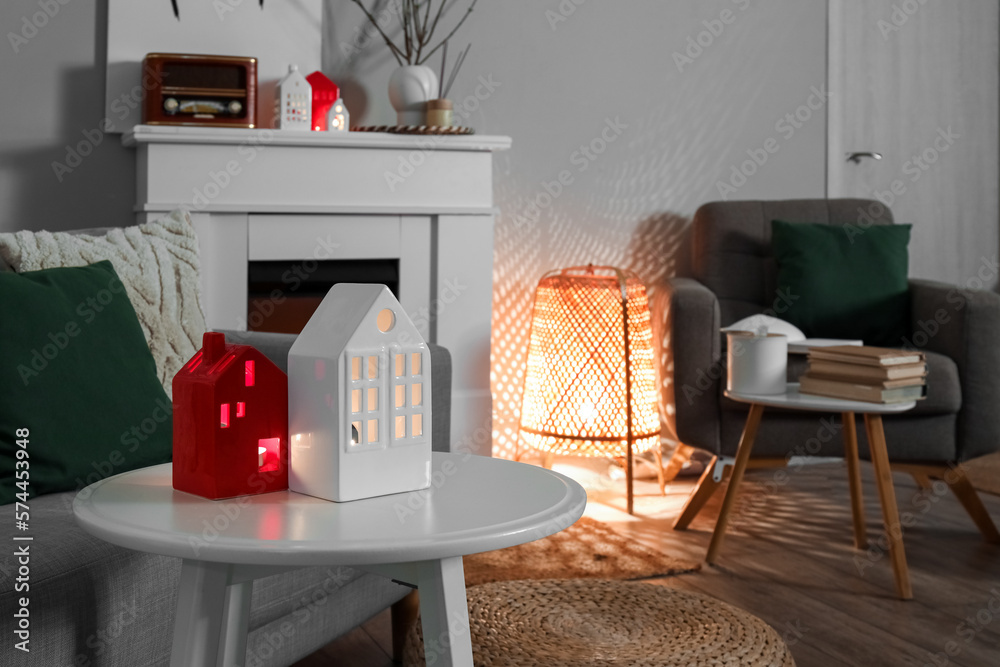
column 87, row 179
column 659, row 247
column 353, row 53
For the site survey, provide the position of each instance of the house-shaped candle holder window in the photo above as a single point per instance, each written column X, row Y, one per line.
column 359, row 388
column 230, row 422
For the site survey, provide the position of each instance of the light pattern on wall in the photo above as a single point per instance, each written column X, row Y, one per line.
column 620, row 212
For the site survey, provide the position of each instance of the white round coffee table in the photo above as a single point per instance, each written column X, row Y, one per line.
column 474, row 504
column 792, row 399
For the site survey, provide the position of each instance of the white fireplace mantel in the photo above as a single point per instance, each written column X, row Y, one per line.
column 426, row 201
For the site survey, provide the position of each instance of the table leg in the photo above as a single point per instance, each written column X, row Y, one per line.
column 236, row 616
column 967, row 495
column 742, row 456
column 705, row 489
column 198, row 620
column 854, row 479
column 444, row 613
column 887, row 496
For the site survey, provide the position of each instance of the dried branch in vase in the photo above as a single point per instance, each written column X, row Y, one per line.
column 419, row 19
column 444, row 88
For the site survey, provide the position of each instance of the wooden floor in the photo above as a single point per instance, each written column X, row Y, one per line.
column 789, row 559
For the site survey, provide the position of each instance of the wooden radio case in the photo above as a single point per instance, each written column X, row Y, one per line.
column 200, row 90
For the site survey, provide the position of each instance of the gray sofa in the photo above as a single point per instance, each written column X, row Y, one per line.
column 94, row 604
column 734, row 275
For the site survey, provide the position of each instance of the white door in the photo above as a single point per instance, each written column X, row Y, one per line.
column 916, row 81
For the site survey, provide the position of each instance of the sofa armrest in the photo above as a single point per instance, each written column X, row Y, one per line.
column 440, row 398
column 275, row 347
column 686, row 338
column 964, row 324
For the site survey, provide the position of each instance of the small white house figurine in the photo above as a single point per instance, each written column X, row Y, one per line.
column 338, row 119
column 359, row 399
column 293, row 101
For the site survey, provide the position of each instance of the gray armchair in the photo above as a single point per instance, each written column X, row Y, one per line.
column 734, row 275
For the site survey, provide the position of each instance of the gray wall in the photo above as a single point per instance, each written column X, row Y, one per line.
column 53, row 103
column 563, row 73
column 683, row 131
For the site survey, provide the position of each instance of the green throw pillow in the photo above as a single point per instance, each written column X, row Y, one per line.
column 844, row 282
column 78, row 385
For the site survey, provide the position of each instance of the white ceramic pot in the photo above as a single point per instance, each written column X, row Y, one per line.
column 410, row 87
column 756, row 365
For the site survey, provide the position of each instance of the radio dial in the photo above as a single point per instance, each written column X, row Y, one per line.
column 170, row 105
column 235, row 107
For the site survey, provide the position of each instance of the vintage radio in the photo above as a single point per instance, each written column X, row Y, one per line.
column 199, row 90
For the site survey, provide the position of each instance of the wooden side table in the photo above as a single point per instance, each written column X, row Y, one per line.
column 872, row 413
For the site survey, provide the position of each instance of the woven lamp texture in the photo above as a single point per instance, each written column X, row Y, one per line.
column 591, row 347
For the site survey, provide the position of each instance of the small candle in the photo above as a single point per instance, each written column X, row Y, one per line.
column 260, row 456
column 439, row 113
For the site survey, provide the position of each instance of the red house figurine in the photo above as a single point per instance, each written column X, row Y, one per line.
column 324, row 94
column 230, row 422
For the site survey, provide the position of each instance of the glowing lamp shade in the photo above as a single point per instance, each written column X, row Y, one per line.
column 590, row 383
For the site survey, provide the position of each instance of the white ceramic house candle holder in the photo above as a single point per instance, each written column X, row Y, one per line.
column 338, row 119
column 293, row 101
column 359, row 398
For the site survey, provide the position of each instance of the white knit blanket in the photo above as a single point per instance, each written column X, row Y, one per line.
column 157, row 262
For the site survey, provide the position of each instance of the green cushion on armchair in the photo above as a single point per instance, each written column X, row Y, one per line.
column 77, row 377
column 845, row 281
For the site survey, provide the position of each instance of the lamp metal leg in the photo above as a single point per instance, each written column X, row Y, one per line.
column 658, row 455
column 628, row 476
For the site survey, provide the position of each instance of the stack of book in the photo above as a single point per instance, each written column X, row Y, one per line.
column 865, row 373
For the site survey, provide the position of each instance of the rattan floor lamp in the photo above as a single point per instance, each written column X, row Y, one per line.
column 590, row 383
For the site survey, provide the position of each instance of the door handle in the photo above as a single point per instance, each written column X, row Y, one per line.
column 856, row 157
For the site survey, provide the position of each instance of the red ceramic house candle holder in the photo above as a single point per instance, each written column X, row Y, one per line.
column 230, row 422
column 324, row 94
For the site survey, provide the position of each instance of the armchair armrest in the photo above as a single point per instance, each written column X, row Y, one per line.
column 964, row 324
column 275, row 347
column 686, row 323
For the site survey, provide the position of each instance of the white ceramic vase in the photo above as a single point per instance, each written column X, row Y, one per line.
column 410, row 87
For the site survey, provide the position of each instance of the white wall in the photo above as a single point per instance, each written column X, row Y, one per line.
column 609, row 68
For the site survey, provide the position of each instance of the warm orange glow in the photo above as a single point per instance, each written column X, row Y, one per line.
column 578, row 378
column 268, row 451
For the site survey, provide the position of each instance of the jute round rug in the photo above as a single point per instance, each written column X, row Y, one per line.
column 577, row 623
column 587, row 549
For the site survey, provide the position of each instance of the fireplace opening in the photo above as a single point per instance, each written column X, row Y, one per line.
column 283, row 294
